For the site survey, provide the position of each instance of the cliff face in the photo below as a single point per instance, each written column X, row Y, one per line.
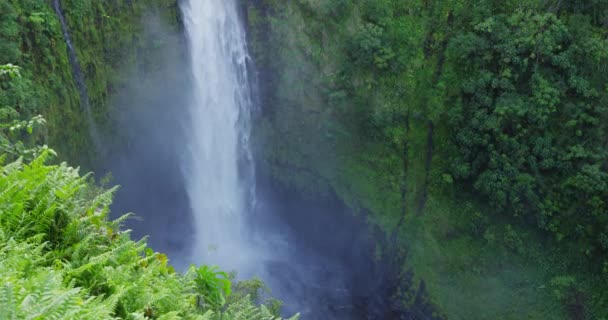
column 311, row 133
column 322, row 121
column 355, row 102
column 114, row 41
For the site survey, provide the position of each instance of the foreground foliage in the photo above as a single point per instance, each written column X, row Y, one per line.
column 60, row 258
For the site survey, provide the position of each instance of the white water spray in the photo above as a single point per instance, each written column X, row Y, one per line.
column 218, row 165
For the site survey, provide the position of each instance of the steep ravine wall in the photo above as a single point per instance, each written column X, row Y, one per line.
column 114, row 41
column 305, row 134
column 119, row 44
column 317, row 133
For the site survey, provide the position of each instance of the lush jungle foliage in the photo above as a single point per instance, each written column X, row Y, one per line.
column 475, row 130
column 61, row 258
column 531, row 122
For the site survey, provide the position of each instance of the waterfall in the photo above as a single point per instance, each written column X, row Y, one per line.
column 77, row 74
column 218, row 164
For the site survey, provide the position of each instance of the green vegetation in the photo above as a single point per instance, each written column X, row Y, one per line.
column 112, row 44
column 17, row 139
column 31, row 38
column 61, row 258
column 473, row 131
column 531, row 119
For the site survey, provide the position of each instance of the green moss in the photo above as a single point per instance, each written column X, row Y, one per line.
column 113, row 41
column 344, row 128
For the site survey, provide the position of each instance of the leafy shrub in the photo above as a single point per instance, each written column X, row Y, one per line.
column 16, row 135
column 209, row 279
column 367, row 47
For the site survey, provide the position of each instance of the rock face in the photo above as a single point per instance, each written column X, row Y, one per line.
column 113, row 43
column 308, row 136
column 308, row 132
column 355, row 102
column 129, row 60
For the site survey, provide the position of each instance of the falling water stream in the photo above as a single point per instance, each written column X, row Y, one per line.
column 207, row 207
column 218, row 164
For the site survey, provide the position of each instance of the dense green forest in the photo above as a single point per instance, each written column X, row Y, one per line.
column 473, row 133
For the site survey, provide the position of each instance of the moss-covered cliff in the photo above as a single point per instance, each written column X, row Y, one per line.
column 114, row 40
column 357, row 101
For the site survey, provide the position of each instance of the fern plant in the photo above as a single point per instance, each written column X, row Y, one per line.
column 61, row 258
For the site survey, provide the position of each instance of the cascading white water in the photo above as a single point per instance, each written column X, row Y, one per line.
column 219, row 176
column 218, row 166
